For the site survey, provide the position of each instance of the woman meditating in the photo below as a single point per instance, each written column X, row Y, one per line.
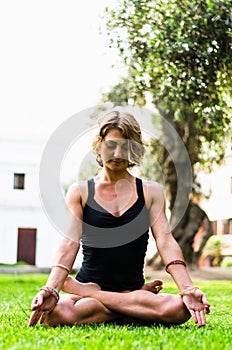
column 112, row 213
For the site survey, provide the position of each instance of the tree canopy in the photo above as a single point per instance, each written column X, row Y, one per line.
column 180, row 53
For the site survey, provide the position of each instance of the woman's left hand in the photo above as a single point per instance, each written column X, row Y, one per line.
column 198, row 305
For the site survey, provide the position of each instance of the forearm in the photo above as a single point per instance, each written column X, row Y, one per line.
column 170, row 251
column 180, row 276
column 56, row 278
column 63, row 263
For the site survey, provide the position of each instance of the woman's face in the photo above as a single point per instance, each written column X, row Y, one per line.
column 115, row 150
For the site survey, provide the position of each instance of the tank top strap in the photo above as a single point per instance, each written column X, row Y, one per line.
column 139, row 186
column 91, row 190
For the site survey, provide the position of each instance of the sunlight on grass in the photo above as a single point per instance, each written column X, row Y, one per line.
column 17, row 292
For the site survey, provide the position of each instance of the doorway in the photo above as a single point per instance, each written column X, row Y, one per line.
column 26, row 245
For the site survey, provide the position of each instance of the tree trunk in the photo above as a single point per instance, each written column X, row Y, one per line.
column 186, row 231
column 186, row 216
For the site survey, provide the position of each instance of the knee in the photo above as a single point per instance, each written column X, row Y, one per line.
column 62, row 314
column 184, row 314
column 174, row 310
column 64, row 311
column 87, row 307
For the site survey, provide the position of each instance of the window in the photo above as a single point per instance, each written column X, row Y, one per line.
column 19, row 181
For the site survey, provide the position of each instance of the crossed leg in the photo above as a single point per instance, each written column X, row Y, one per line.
column 75, row 310
column 87, row 303
column 72, row 286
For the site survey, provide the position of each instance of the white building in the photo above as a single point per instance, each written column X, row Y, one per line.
column 218, row 186
column 26, row 233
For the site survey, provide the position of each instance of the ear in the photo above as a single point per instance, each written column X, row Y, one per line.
column 99, row 160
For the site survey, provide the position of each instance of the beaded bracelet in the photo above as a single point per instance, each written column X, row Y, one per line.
column 52, row 292
column 55, row 291
column 175, row 262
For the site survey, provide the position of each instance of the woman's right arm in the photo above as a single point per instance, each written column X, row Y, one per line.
column 69, row 247
column 46, row 299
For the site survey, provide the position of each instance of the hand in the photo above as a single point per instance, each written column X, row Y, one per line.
column 198, row 305
column 42, row 304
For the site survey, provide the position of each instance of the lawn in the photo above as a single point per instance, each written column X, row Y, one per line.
column 17, row 292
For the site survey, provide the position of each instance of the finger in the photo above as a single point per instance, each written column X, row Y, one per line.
column 43, row 317
column 158, row 288
column 159, row 282
column 198, row 317
column 193, row 314
column 201, row 318
column 37, row 301
column 205, row 301
column 35, row 316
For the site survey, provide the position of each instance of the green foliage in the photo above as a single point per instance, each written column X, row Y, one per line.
column 17, row 292
column 214, row 249
column 180, row 52
column 227, row 262
column 19, row 263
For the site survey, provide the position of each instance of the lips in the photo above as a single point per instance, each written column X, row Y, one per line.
column 117, row 161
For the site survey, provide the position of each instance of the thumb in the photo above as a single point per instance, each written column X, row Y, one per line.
column 205, row 302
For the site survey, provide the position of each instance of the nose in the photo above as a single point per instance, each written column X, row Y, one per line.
column 118, row 152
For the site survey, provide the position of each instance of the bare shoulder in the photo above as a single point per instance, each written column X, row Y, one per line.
column 77, row 193
column 153, row 192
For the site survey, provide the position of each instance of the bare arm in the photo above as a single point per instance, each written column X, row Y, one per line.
column 45, row 301
column 169, row 250
column 167, row 246
column 70, row 244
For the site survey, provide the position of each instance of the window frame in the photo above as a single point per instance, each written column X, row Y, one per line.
column 19, row 181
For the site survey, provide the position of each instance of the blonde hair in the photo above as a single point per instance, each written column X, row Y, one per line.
column 130, row 128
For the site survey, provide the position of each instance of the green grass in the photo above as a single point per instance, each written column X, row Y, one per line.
column 17, row 292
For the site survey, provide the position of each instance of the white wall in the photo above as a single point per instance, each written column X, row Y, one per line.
column 219, row 185
column 22, row 208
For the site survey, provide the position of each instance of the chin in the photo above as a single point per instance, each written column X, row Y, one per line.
column 117, row 164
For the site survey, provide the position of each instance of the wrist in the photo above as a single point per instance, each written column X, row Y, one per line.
column 188, row 291
column 175, row 262
column 51, row 291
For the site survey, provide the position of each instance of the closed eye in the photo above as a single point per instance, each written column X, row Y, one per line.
column 125, row 147
column 111, row 145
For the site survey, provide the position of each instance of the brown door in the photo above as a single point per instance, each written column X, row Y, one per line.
column 26, row 245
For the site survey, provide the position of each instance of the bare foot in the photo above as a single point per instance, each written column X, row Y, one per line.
column 154, row 286
column 72, row 286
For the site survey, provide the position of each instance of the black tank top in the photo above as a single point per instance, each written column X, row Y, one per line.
column 114, row 248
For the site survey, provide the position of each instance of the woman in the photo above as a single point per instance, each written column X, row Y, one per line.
column 111, row 215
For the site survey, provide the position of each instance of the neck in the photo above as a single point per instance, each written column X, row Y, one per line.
column 106, row 175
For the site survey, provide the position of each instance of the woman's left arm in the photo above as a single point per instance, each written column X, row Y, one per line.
column 171, row 253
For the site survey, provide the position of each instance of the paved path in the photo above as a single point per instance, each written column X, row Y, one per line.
column 199, row 275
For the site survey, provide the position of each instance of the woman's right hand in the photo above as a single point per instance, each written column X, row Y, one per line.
column 42, row 304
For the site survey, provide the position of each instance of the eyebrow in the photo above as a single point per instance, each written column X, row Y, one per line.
column 117, row 141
